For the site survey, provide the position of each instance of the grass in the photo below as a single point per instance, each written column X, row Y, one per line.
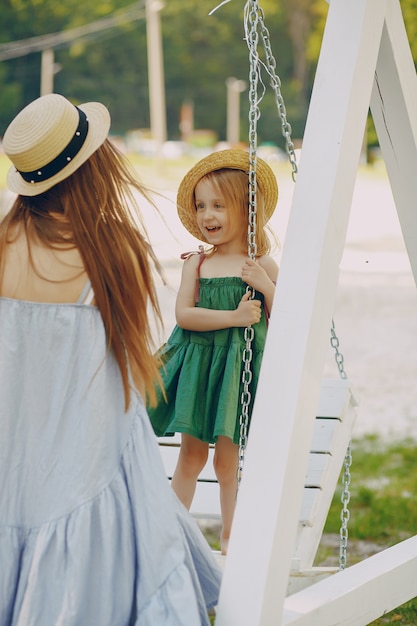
column 384, row 482
column 383, row 507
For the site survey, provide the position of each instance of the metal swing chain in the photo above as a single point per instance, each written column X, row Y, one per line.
column 346, row 478
column 254, row 16
column 252, row 247
column 279, row 100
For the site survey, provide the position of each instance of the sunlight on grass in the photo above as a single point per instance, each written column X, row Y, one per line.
column 383, row 507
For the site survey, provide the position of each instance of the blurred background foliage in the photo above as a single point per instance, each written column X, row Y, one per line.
column 200, row 52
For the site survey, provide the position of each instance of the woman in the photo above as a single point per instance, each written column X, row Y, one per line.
column 90, row 532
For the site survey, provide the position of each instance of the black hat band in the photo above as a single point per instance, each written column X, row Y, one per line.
column 64, row 158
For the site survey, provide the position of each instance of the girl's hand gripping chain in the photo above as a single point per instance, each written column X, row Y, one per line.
column 248, row 311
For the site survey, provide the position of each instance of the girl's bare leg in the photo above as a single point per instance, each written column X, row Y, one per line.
column 225, row 466
column 191, row 460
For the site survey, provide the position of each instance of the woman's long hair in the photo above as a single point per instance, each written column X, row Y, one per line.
column 103, row 222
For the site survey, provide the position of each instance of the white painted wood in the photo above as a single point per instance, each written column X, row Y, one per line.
column 323, row 435
column 309, row 534
column 305, row 578
column 206, row 502
column 394, row 110
column 310, row 505
column 281, row 430
column 333, row 398
column 378, row 585
column 359, row 594
column 169, row 448
column 317, row 470
column 299, row 579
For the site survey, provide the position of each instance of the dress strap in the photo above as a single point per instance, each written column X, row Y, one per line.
column 87, row 294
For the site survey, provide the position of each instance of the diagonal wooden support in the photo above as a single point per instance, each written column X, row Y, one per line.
column 394, row 111
column 359, row 594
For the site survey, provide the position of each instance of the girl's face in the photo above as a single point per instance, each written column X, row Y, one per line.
column 216, row 221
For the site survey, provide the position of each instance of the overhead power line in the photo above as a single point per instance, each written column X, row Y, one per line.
column 23, row 47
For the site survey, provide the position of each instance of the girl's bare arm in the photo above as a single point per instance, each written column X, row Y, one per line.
column 261, row 275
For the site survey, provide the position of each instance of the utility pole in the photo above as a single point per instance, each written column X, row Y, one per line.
column 47, row 71
column 234, row 89
column 157, row 108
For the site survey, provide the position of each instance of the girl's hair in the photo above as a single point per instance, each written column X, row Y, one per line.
column 97, row 202
column 234, row 187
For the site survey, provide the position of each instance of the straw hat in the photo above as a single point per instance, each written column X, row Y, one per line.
column 224, row 159
column 49, row 140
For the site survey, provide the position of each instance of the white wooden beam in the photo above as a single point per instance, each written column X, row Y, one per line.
column 262, row 542
column 394, row 110
column 357, row 595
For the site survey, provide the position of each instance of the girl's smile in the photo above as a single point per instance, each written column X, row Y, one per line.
column 214, row 219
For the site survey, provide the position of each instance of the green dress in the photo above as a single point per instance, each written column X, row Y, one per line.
column 202, row 371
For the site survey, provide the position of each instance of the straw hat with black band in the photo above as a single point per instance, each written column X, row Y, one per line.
column 223, row 159
column 50, row 139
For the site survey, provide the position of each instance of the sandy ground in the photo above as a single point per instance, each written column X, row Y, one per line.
column 376, row 309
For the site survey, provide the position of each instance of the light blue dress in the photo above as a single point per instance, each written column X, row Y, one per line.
column 91, row 534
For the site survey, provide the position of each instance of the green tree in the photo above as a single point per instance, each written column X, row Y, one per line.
column 409, row 9
column 98, row 68
column 200, row 52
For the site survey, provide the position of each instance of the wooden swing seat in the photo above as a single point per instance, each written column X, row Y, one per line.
column 335, row 418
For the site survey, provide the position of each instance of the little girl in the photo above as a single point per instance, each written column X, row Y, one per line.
column 203, row 358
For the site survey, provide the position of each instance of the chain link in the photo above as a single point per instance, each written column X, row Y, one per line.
column 334, row 341
column 254, row 19
column 345, row 513
column 246, row 397
column 275, row 83
column 254, row 16
column 254, row 115
column 345, row 498
column 252, row 40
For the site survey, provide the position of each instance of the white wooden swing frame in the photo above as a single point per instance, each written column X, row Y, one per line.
column 365, row 61
column 336, row 410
